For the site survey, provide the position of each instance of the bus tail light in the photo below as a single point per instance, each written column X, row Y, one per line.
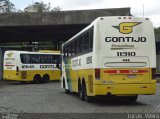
column 97, row 73
column 153, row 73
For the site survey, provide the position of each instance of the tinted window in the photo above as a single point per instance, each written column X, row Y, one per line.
column 91, row 40
column 85, row 45
column 80, row 45
column 39, row 59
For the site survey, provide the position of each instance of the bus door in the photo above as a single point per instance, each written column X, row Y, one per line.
column 126, row 70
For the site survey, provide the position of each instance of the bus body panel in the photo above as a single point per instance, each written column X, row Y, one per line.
column 129, row 57
column 123, row 54
column 124, row 89
column 15, row 70
column 135, row 71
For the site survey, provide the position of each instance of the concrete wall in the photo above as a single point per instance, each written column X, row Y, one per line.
column 59, row 18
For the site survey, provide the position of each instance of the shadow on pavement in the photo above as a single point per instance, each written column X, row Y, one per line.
column 108, row 101
column 5, row 83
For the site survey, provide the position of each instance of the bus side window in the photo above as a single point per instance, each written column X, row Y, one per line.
column 79, row 45
column 22, row 58
column 69, row 50
column 85, row 42
column 72, row 48
column 25, row 58
column 41, row 59
column 34, row 58
column 75, row 46
column 64, row 52
column 91, row 40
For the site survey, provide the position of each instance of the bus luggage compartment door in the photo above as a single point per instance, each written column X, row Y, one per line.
column 126, row 70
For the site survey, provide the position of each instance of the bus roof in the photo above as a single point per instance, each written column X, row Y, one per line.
column 49, row 51
column 27, row 52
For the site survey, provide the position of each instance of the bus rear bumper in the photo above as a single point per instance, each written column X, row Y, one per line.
column 125, row 89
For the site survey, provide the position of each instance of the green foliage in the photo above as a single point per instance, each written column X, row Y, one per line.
column 41, row 7
column 6, row 6
column 56, row 9
column 157, row 30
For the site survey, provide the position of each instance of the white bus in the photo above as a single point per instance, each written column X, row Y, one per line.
column 112, row 56
column 25, row 66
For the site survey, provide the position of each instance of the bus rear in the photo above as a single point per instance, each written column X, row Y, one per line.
column 125, row 56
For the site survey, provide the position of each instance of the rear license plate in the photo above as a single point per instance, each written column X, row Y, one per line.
column 132, row 76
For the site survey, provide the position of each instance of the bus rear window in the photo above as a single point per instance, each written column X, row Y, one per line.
column 39, row 58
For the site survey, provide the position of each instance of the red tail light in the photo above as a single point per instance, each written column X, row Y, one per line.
column 97, row 73
column 153, row 73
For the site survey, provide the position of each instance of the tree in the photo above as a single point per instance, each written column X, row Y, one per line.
column 157, row 30
column 19, row 11
column 56, row 9
column 6, row 6
column 38, row 7
column 41, row 7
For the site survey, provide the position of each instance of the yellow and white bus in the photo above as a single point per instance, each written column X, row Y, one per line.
column 112, row 56
column 39, row 67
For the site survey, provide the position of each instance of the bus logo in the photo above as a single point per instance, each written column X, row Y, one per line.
column 126, row 27
column 10, row 54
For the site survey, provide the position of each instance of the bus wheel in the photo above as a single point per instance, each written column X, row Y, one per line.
column 45, row 78
column 132, row 99
column 87, row 98
column 37, row 79
column 81, row 92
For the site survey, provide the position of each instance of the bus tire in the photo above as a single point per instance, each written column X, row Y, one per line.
column 45, row 78
column 37, row 79
column 87, row 98
column 67, row 91
column 81, row 91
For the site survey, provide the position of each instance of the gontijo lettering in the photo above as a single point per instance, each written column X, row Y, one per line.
column 125, row 39
column 47, row 66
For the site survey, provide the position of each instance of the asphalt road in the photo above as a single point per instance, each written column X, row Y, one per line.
column 49, row 98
